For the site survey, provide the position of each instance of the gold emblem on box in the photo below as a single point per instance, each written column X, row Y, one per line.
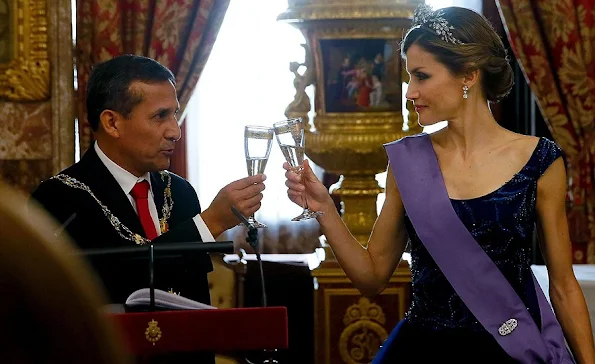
column 363, row 333
column 153, row 332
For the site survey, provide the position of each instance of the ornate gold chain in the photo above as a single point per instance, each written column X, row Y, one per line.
column 122, row 229
column 168, row 203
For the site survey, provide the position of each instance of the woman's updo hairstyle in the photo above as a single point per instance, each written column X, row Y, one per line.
column 463, row 41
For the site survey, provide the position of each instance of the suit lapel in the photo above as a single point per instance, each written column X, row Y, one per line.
column 108, row 191
column 158, row 186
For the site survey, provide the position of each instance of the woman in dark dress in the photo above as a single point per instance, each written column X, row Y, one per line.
column 500, row 184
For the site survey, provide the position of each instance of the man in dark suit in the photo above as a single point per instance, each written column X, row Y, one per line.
column 120, row 194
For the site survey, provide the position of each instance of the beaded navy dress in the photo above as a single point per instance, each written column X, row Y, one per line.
column 439, row 328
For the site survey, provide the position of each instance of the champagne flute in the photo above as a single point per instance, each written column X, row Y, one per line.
column 257, row 147
column 290, row 136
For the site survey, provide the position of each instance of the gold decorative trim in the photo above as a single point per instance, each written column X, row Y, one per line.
column 344, row 10
column 27, row 76
column 330, row 292
column 363, row 334
column 60, row 53
column 361, row 143
column 393, row 31
column 379, row 121
column 153, row 332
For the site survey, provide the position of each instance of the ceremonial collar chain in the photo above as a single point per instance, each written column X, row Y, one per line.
column 122, row 229
column 424, row 15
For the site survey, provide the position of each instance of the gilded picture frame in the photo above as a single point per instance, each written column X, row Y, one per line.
column 25, row 68
column 361, row 75
column 6, row 44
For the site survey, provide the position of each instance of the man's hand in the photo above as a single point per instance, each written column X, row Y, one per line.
column 245, row 194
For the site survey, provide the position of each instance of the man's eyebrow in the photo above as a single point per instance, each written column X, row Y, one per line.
column 161, row 110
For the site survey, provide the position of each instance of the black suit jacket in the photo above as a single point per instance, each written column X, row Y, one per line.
column 90, row 228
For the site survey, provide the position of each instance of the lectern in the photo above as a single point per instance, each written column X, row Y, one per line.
column 220, row 330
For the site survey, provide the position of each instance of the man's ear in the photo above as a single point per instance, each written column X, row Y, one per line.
column 109, row 121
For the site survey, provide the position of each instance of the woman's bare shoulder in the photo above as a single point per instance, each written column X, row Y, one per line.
column 520, row 146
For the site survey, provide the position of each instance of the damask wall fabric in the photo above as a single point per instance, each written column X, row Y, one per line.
column 554, row 41
column 177, row 33
column 25, row 143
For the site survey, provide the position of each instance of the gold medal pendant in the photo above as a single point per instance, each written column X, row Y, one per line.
column 164, row 226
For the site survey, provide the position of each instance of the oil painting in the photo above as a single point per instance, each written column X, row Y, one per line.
column 361, row 75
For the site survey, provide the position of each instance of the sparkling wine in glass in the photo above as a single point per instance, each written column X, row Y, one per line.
column 290, row 136
column 257, row 147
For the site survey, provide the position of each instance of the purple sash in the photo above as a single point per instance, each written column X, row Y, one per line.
column 479, row 282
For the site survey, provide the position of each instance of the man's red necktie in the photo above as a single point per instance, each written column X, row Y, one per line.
column 140, row 193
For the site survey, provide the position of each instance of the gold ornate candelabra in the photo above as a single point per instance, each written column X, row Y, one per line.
column 353, row 59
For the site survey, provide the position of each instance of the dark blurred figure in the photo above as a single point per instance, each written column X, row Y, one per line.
column 50, row 303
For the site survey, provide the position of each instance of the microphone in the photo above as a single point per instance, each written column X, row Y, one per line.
column 63, row 227
column 252, row 239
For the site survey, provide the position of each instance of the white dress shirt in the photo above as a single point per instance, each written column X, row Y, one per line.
column 127, row 181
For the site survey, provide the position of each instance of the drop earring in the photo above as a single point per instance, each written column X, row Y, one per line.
column 465, row 90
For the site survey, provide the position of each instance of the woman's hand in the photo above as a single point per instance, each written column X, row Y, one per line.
column 307, row 185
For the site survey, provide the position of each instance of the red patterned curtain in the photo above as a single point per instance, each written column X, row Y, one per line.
column 554, row 41
column 177, row 33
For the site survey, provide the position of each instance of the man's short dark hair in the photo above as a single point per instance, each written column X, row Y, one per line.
column 109, row 84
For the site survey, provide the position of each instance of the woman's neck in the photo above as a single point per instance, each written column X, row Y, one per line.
column 474, row 129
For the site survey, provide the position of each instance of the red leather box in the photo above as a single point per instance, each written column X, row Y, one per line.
column 234, row 329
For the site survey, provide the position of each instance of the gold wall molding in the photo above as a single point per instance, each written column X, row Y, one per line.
column 62, row 84
column 26, row 77
column 6, row 46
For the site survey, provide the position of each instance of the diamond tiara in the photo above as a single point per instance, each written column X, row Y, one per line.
column 424, row 15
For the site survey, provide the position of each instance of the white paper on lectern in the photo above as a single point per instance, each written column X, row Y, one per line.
column 165, row 300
